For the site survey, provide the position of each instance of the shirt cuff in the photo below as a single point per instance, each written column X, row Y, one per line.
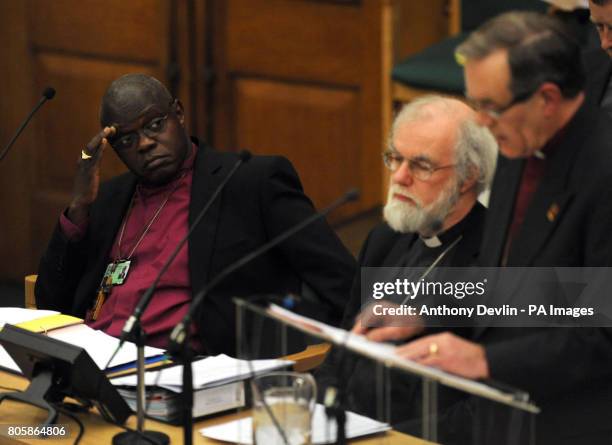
column 72, row 231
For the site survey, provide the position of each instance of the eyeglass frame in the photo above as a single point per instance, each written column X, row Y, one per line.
column 496, row 114
column 144, row 130
column 418, row 172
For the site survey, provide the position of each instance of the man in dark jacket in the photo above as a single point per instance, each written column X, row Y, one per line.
column 113, row 239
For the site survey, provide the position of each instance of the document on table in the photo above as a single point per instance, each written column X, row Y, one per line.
column 323, row 429
column 207, row 372
column 98, row 345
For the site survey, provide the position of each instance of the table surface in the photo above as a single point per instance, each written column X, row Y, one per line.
column 97, row 431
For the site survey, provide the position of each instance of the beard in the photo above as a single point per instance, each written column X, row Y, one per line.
column 427, row 220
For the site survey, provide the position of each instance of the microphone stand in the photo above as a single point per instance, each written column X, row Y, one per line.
column 132, row 330
column 178, row 342
column 141, row 436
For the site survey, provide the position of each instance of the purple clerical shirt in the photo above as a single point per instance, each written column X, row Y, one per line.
column 173, row 294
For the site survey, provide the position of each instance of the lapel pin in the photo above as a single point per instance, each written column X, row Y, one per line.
column 552, row 212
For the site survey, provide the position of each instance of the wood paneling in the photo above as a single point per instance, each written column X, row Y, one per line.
column 16, row 172
column 305, row 79
column 271, row 117
column 134, row 30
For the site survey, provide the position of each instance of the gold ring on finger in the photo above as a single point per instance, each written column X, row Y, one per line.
column 433, row 348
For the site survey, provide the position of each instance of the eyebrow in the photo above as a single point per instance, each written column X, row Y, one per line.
column 417, row 158
column 119, row 132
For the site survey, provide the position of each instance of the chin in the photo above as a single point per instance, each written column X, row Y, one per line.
column 510, row 152
column 160, row 177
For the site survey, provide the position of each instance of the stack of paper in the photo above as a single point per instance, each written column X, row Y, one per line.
column 207, row 372
column 217, row 384
column 323, row 429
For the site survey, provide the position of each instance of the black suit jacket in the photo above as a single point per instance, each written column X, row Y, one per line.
column 385, row 247
column 263, row 199
column 568, row 371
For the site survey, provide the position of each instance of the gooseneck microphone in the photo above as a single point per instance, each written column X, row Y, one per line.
column 179, row 333
column 47, row 94
column 178, row 344
column 143, row 303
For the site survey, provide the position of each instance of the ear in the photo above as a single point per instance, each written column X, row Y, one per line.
column 551, row 97
column 180, row 112
column 470, row 181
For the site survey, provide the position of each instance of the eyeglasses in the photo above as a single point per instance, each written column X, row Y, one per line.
column 151, row 129
column 130, row 140
column 486, row 107
column 418, row 168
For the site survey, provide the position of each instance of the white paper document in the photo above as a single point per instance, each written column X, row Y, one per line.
column 207, row 372
column 323, row 429
column 385, row 353
column 15, row 315
column 99, row 346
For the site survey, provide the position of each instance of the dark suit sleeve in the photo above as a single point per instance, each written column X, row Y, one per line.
column 553, row 361
column 315, row 253
column 59, row 272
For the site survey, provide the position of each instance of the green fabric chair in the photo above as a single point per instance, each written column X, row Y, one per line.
column 435, row 67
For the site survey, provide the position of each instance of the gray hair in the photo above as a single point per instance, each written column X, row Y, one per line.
column 475, row 147
column 540, row 49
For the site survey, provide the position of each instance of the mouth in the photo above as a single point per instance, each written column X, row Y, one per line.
column 404, row 198
column 156, row 162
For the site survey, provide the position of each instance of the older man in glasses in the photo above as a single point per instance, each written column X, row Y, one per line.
column 550, row 207
column 114, row 238
column 439, row 162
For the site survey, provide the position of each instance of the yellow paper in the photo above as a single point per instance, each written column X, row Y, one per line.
column 49, row 323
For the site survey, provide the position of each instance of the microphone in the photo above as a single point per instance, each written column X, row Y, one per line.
column 47, row 94
column 179, row 333
column 143, row 303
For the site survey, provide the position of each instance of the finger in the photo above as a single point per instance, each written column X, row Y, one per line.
column 94, row 143
column 432, row 360
column 416, row 349
column 358, row 328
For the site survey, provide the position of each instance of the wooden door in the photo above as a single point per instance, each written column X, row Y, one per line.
column 306, row 79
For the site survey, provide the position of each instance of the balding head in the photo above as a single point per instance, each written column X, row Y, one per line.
column 475, row 148
column 129, row 96
column 440, row 161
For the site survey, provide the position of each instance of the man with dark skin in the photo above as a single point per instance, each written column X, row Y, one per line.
column 114, row 237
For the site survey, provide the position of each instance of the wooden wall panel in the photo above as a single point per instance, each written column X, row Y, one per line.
column 15, row 170
column 298, row 39
column 114, row 29
column 321, row 52
column 271, row 117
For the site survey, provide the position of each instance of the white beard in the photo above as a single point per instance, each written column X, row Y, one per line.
column 409, row 218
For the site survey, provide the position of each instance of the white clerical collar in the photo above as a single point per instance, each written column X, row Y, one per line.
column 432, row 241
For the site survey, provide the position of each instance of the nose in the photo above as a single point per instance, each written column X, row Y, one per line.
column 604, row 30
column 484, row 119
column 403, row 175
column 606, row 39
column 145, row 142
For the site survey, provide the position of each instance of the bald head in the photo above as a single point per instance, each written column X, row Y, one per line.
column 432, row 108
column 131, row 95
